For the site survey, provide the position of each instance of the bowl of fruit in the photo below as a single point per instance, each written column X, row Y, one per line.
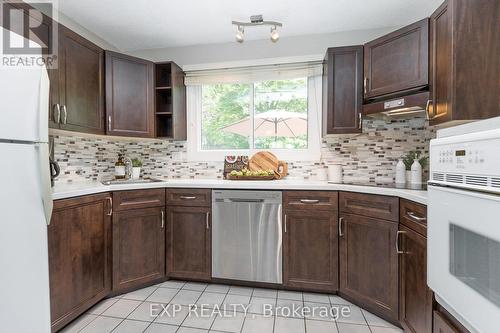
column 246, row 174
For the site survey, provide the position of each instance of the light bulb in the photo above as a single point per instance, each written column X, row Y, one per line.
column 240, row 35
column 274, row 35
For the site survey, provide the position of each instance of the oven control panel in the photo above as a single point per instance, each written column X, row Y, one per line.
column 469, row 160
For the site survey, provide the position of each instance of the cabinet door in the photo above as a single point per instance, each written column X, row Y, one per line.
column 189, row 242
column 342, row 90
column 369, row 263
column 415, row 302
column 441, row 325
column 138, row 247
column 81, row 91
column 310, row 250
column 397, row 61
column 441, row 64
column 129, row 95
column 79, row 238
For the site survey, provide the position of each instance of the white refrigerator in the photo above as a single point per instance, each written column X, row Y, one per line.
column 25, row 199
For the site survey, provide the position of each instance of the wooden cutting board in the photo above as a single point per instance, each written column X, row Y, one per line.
column 265, row 160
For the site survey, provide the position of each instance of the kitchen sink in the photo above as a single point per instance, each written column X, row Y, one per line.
column 130, row 181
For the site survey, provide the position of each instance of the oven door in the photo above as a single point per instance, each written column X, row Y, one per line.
column 464, row 255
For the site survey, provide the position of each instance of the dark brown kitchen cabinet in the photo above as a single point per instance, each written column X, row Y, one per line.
column 342, row 90
column 310, row 241
column 368, row 259
column 415, row 297
column 79, row 105
column 79, row 242
column 170, row 107
column 444, row 322
column 138, row 247
column 189, row 242
column 397, row 62
column 139, row 222
column 129, row 96
column 464, row 61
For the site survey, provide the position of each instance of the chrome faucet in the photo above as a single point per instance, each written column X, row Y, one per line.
column 128, row 167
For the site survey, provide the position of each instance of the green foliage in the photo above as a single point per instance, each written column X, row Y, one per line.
column 409, row 158
column 136, row 163
column 226, row 104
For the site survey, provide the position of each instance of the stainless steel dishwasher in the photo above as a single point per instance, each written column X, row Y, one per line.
column 246, row 235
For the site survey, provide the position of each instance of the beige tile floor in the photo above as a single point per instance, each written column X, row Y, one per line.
column 141, row 311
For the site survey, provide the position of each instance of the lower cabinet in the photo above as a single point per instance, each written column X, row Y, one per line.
column 138, row 247
column 415, row 298
column 310, row 250
column 369, row 263
column 79, row 242
column 442, row 325
column 189, row 242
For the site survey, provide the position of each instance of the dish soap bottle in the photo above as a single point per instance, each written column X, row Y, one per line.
column 120, row 168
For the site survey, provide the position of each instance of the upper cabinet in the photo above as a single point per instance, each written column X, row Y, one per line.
column 465, row 65
column 397, row 62
column 129, row 96
column 78, row 105
column 171, row 120
column 342, row 90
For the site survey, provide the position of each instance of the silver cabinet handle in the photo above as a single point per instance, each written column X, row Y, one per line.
column 365, row 85
column 162, row 219
column 64, row 117
column 427, row 112
column 57, row 113
column 109, row 123
column 397, row 242
column 309, row 201
column 340, row 226
column 207, row 221
column 360, row 121
column 110, row 200
column 187, row 197
column 414, row 217
column 285, row 223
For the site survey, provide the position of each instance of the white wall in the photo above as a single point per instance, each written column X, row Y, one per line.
column 68, row 22
column 310, row 47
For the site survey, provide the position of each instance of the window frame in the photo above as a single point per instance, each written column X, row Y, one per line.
column 314, row 114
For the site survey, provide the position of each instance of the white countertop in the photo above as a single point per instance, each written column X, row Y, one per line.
column 74, row 189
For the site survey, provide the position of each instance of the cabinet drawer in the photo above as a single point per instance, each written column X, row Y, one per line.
column 189, row 197
column 414, row 216
column 313, row 200
column 124, row 200
column 375, row 206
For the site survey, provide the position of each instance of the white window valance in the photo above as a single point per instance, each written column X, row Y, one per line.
column 254, row 73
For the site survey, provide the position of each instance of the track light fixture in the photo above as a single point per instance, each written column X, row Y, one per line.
column 257, row 20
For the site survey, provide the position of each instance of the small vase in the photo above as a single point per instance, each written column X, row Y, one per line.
column 136, row 172
column 408, row 176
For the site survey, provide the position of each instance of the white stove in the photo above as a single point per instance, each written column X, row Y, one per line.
column 464, row 225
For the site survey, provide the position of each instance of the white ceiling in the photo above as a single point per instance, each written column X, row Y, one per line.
column 148, row 24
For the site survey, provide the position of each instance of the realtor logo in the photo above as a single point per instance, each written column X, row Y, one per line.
column 29, row 34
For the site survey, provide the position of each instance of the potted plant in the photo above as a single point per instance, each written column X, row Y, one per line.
column 408, row 160
column 136, row 168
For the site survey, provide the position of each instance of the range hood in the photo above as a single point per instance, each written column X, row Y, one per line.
column 403, row 107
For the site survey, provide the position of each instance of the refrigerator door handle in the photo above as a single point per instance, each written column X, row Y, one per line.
column 45, row 184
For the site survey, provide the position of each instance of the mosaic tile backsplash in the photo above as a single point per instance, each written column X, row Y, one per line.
column 367, row 157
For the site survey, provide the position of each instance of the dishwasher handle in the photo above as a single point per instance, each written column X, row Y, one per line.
column 246, row 200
